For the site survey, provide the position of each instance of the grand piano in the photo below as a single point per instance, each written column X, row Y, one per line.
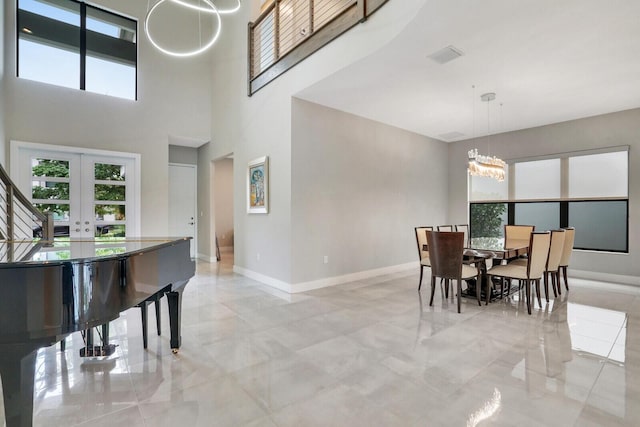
column 52, row 289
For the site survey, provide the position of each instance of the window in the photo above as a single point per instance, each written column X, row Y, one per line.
column 585, row 190
column 72, row 44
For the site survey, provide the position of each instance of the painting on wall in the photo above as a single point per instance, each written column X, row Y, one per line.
column 258, row 185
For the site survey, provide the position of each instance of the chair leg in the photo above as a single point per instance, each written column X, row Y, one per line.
column 564, row 273
column 488, row 288
column 446, row 288
column 554, row 283
column 420, row 282
column 459, row 293
column 478, row 285
column 537, row 281
column 528, row 295
column 433, row 289
column 546, row 284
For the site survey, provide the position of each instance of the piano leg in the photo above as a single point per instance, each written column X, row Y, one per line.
column 157, row 304
column 143, row 312
column 174, row 299
column 17, row 371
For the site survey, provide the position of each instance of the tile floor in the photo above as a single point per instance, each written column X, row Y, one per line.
column 366, row 353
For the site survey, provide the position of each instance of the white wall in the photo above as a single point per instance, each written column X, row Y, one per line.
column 608, row 130
column 251, row 127
column 358, row 189
column 184, row 155
column 173, row 99
column 223, row 201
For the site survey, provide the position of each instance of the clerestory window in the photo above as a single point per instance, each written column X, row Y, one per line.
column 75, row 45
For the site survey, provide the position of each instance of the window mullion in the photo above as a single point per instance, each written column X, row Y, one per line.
column 83, row 45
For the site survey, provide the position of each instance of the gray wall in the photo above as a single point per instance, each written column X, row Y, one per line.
column 358, row 189
column 183, row 155
column 608, row 130
column 223, row 201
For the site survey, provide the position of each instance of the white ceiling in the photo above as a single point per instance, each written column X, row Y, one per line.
column 548, row 61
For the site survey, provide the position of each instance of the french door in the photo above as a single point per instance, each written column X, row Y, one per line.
column 90, row 194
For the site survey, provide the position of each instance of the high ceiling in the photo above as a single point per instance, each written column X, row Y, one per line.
column 548, row 61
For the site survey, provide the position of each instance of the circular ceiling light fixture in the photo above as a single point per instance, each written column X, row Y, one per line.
column 208, row 9
column 211, row 9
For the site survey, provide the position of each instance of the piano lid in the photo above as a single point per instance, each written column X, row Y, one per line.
column 15, row 253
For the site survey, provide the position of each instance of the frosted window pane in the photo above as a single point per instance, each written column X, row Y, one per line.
column 599, row 175
column 537, row 180
column 545, row 216
column 485, row 188
column 599, row 225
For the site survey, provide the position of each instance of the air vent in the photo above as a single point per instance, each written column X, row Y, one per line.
column 446, row 54
column 451, row 136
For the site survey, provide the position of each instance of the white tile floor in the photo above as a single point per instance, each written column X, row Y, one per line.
column 365, row 353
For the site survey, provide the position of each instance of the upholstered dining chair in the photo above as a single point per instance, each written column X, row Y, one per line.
column 464, row 228
column 446, row 253
column 423, row 256
column 515, row 235
column 566, row 256
column 445, row 228
column 556, row 248
column 532, row 272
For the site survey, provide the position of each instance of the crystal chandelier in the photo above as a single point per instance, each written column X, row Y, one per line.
column 489, row 166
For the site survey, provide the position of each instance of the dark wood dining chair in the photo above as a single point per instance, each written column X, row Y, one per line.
column 446, row 250
column 529, row 273
column 423, row 255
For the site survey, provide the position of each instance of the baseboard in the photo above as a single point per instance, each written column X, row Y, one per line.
column 206, row 258
column 605, row 277
column 267, row 280
column 325, row 282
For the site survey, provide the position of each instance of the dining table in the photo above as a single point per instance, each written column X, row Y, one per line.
column 483, row 249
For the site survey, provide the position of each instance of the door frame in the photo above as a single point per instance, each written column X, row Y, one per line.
column 195, row 202
column 15, row 167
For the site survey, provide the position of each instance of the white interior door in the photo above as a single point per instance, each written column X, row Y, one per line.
column 182, row 203
column 91, row 195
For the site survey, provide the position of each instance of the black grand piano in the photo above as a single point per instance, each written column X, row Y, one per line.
column 48, row 291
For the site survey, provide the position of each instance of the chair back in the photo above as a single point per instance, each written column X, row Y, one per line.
column 446, row 252
column 568, row 246
column 517, row 235
column 421, row 240
column 539, row 243
column 464, row 228
column 555, row 249
column 445, row 228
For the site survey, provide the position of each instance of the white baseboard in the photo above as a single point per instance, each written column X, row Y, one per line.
column 270, row 281
column 206, row 258
column 325, row 282
column 605, row 277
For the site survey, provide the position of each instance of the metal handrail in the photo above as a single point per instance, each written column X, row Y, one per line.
column 17, row 209
column 281, row 36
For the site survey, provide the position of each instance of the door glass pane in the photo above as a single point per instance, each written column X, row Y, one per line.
column 110, row 230
column 50, row 190
column 108, row 172
column 107, row 192
column 60, row 211
column 599, row 175
column 539, row 179
column 545, row 216
column 110, row 213
column 600, row 225
column 50, row 168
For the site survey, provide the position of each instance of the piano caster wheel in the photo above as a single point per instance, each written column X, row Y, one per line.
column 175, row 350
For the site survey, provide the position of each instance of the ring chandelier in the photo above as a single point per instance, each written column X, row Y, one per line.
column 210, row 8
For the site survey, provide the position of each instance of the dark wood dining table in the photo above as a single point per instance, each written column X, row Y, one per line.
column 489, row 248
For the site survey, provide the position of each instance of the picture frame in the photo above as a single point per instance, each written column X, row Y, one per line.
column 258, row 185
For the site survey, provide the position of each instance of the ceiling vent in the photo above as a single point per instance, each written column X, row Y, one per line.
column 446, row 54
column 451, row 136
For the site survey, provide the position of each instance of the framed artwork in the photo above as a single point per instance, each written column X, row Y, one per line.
column 258, row 185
